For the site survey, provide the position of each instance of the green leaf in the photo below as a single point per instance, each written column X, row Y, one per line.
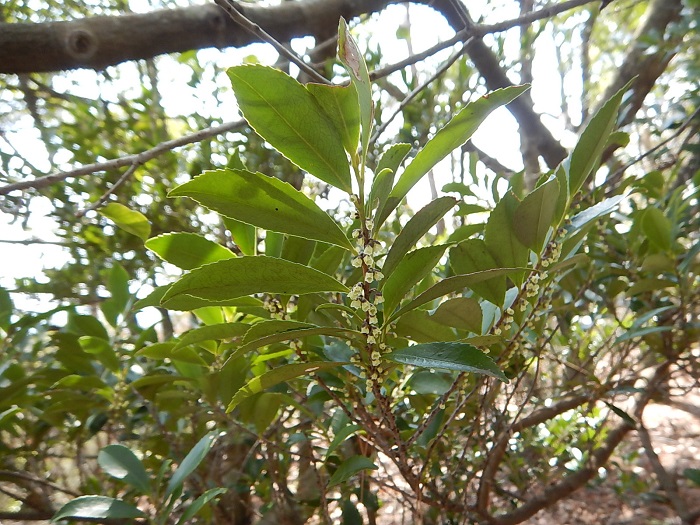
column 340, row 104
column 187, row 250
column 197, row 504
column 657, row 228
column 590, row 146
column 418, row 326
column 412, row 269
column 350, row 56
column 533, row 217
column 128, row 220
column 384, row 180
column 191, row 462
column 451, row 356
column 118, row 286
column 297, row 250
column 247, row 275
column 604, row 207
column 415, row 228
column 500, row 237
column 285, row 114
column 97, row 507
column 6, row 308
column 693, row 474
column 455, row 133
column 272, row 327
column 463, row 313
column 349, row 468
column 452, row 284
column 472, row 256
column 102, row 349
column 244, row 235
column 278, row 375
column 340, row 437
column 215, row 332
column 263, row 201
column 121, row 463
column 168, row 350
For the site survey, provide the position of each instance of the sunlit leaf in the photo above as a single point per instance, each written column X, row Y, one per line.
column 187, row 250
column 263, row 201
column 97, row 507
column 451, row 356
column 600, row 209
column 128, row 220
column 246, row 275
column 285, row 114
column 340, row 104
column 350, row 56
column 658, row 229
column 215, row 332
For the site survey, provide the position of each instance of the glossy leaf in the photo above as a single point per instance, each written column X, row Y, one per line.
column 128, row 220
column 472, row 256
column 455, row 133
column 187, row 250
column 279, row 375
column 415, row 228
column 451, row 356
column 121, row 463
column 97, row 507
column 341, row 106
column 533, row 218
column 453, row 284
column 349, row 468
column 191, row 462
column 463, row 313
column 265, row 202
column 500, row 237
column 284, row 113
column 590, row 146
column 247, row 275
column 600, row 209
column 412, row 268
column 350, row 56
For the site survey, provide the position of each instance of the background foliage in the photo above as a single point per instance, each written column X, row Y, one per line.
column 116, row 399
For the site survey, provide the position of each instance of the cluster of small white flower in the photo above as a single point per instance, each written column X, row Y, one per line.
column 275, row 307
column 365, row 298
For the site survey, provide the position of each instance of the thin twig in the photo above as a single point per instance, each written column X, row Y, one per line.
column 420, row 88
column 127, row 160
column 256, row 30
column 128, row 173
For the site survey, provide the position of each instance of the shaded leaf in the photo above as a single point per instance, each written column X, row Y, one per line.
column 415, row 228
column 657, row 227
column 412, row 268
column 463, row 313
column 472, row 256
column 451, row 356
column 500, row 237
column 197, row 504
column 349, row 468
column 534, row 216
column 191, row 462
column 279, row 375
column 121, row 463
column 214, row 332
column 285, row 114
